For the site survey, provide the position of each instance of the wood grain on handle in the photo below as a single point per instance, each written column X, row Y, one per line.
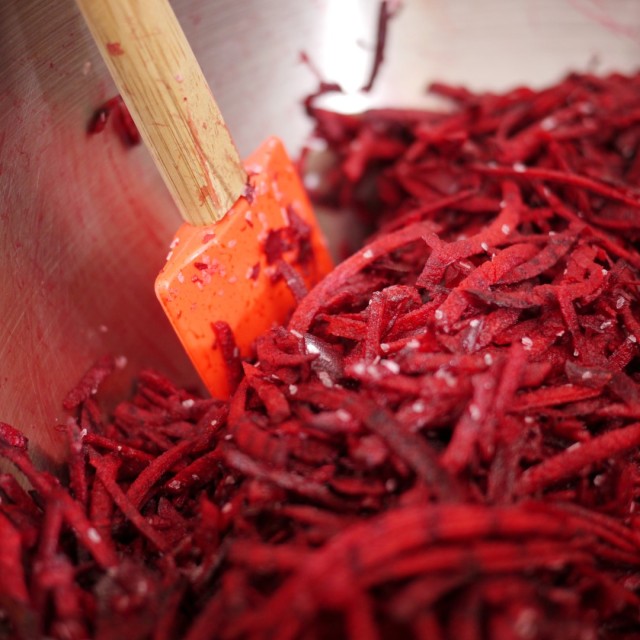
column 163, row 86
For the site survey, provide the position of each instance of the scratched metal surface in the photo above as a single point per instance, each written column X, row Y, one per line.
column 85, row 222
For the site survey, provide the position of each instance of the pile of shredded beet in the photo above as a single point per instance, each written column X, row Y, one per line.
column 442, row 444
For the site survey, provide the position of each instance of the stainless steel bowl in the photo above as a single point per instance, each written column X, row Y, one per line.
column 86, row 220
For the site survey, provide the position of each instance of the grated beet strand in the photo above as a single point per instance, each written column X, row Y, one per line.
column 443, row 442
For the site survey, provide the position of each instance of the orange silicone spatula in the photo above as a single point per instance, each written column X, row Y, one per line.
column 249, row 229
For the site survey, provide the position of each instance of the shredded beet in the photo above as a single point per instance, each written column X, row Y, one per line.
column 124, row 125
column 388, row 9
column 443, row 442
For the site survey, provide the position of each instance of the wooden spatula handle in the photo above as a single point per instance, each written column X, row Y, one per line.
column 163, row 86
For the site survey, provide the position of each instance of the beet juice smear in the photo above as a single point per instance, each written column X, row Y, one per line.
column 443, row 443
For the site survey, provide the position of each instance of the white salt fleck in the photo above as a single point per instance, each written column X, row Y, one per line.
column 93, row 535
column 620, row 302
column 484, row 246
column 195, row 477
column 180, row 277
column 368, row 254
column 418, row 406
column 548, row 123
column 529, row 419
column 576, row 353
column 169, row 256
column 188, row 403
column 599, row 480
column 474, row 323
column 506, row 229
column 295, row 333
column 439, row 314
column 174, row 243
column 443, row 374
column 293, row 389
column 393, row 366
column 527, row 343
column 384, row 347
column 213, row 423
column 488, row 360
column 311, row 348
column 560, row 334
column 518, row 167
column 604, row 272
column 552, row 233
column 176, row 485
column 413, row 344
column 325, row 378
column 574, row 446
column 342, row 415
column 373, row 372
column 359, row 368
column 474, row 412
column 632, row 338
column 226, row 508
column 587, row 375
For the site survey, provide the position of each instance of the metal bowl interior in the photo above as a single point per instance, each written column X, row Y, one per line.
column 86, row 220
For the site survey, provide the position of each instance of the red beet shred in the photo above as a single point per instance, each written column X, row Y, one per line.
column 123, row 122
column 444, row 441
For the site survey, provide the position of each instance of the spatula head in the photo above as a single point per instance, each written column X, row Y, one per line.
column 236, row 270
